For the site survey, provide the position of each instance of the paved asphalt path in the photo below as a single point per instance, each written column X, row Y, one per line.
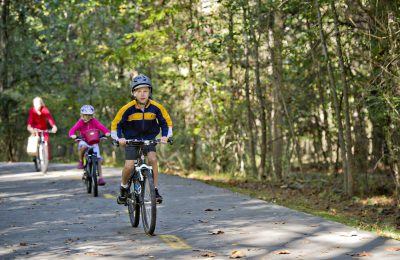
column 52, row 217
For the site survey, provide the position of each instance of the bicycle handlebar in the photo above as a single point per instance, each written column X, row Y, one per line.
column 136, row 142
column 80, row 138
column 43, row 131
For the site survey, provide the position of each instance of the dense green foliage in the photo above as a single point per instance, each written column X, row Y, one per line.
column 248, row 84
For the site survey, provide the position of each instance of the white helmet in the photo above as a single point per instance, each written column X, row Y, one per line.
column 87, row 110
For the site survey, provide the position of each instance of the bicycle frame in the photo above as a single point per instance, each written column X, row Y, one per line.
column 138, row 176
column 90, row 156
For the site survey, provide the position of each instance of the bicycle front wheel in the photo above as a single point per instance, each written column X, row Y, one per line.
column 149, row 209
column 43, row 157
column 133, row 207
column 94, row 177
column 88, row 180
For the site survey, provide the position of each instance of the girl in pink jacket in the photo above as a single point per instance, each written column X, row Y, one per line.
column 85, row 125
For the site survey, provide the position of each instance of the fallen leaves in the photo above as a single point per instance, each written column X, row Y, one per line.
column 237, row 254
column 349, row 234
column 217, row 232
column 361, row 254
column 212, row 210
column 282, row 252
column 71, row 240
column 206, row 253
column 209, row 254
column 94, row 254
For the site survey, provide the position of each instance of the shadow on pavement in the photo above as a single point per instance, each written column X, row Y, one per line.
column 25, row 167
column 56, row 218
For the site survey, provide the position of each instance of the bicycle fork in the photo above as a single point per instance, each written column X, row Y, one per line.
column 137, row 181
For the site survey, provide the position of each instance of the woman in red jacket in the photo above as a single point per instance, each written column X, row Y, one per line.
column 37, row 119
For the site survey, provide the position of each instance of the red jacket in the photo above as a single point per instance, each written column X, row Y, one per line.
column 40, row 121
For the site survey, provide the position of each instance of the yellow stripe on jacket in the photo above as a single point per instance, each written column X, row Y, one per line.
column 163, row 112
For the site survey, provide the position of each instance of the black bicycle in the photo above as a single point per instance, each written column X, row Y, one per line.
column 141, row 193
column 41, row 160
column 91, row 172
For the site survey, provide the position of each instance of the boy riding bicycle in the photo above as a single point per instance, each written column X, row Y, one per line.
column 140, row 119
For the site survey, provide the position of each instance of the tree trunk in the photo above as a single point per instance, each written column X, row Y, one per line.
column 335, row 100
column 361, row 144
column 277, row 118
column 346, row 104
column 250, row 115
column 323, row 131
column 261, row 99
column 4, row 81
column 190, row 97
column 394, row 163
column 4, row 45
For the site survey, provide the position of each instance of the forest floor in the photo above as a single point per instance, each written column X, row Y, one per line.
column 376, row 212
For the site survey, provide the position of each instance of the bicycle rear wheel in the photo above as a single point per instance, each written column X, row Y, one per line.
column 94, row 177
column 43, row 157
column 133, row 207
column 149, row 209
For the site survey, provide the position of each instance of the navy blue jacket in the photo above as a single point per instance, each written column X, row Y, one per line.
column 133, row 123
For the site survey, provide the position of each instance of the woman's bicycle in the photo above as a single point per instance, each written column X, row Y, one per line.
column 141, row 192
column 41, row 160
column 91, row 168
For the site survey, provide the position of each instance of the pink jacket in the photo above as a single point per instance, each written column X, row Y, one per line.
column 83, row 127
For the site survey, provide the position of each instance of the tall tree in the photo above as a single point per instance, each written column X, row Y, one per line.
column 332, row 85
column 348, row 138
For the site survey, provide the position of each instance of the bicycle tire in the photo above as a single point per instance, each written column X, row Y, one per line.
column 88, row 180
column 94, row 177
column 44, row 160
column 133, row 207
column 149, row 209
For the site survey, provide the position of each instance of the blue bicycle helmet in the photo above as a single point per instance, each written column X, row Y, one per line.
column 141, row 81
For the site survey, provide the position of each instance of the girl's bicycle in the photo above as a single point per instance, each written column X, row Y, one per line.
column 41, row 160
column 141, row 193
column 91, row 168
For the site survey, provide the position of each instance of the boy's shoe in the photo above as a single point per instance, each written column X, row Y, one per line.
column 101, row 182
column 122, row 197
column 84, row 176
column 80, row 165
column 159, row 198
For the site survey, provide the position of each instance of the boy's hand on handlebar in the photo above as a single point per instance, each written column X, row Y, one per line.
column 122, row 141
column 164, row 139
column 108, row 134
column 54, row 129
column 73, row 136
